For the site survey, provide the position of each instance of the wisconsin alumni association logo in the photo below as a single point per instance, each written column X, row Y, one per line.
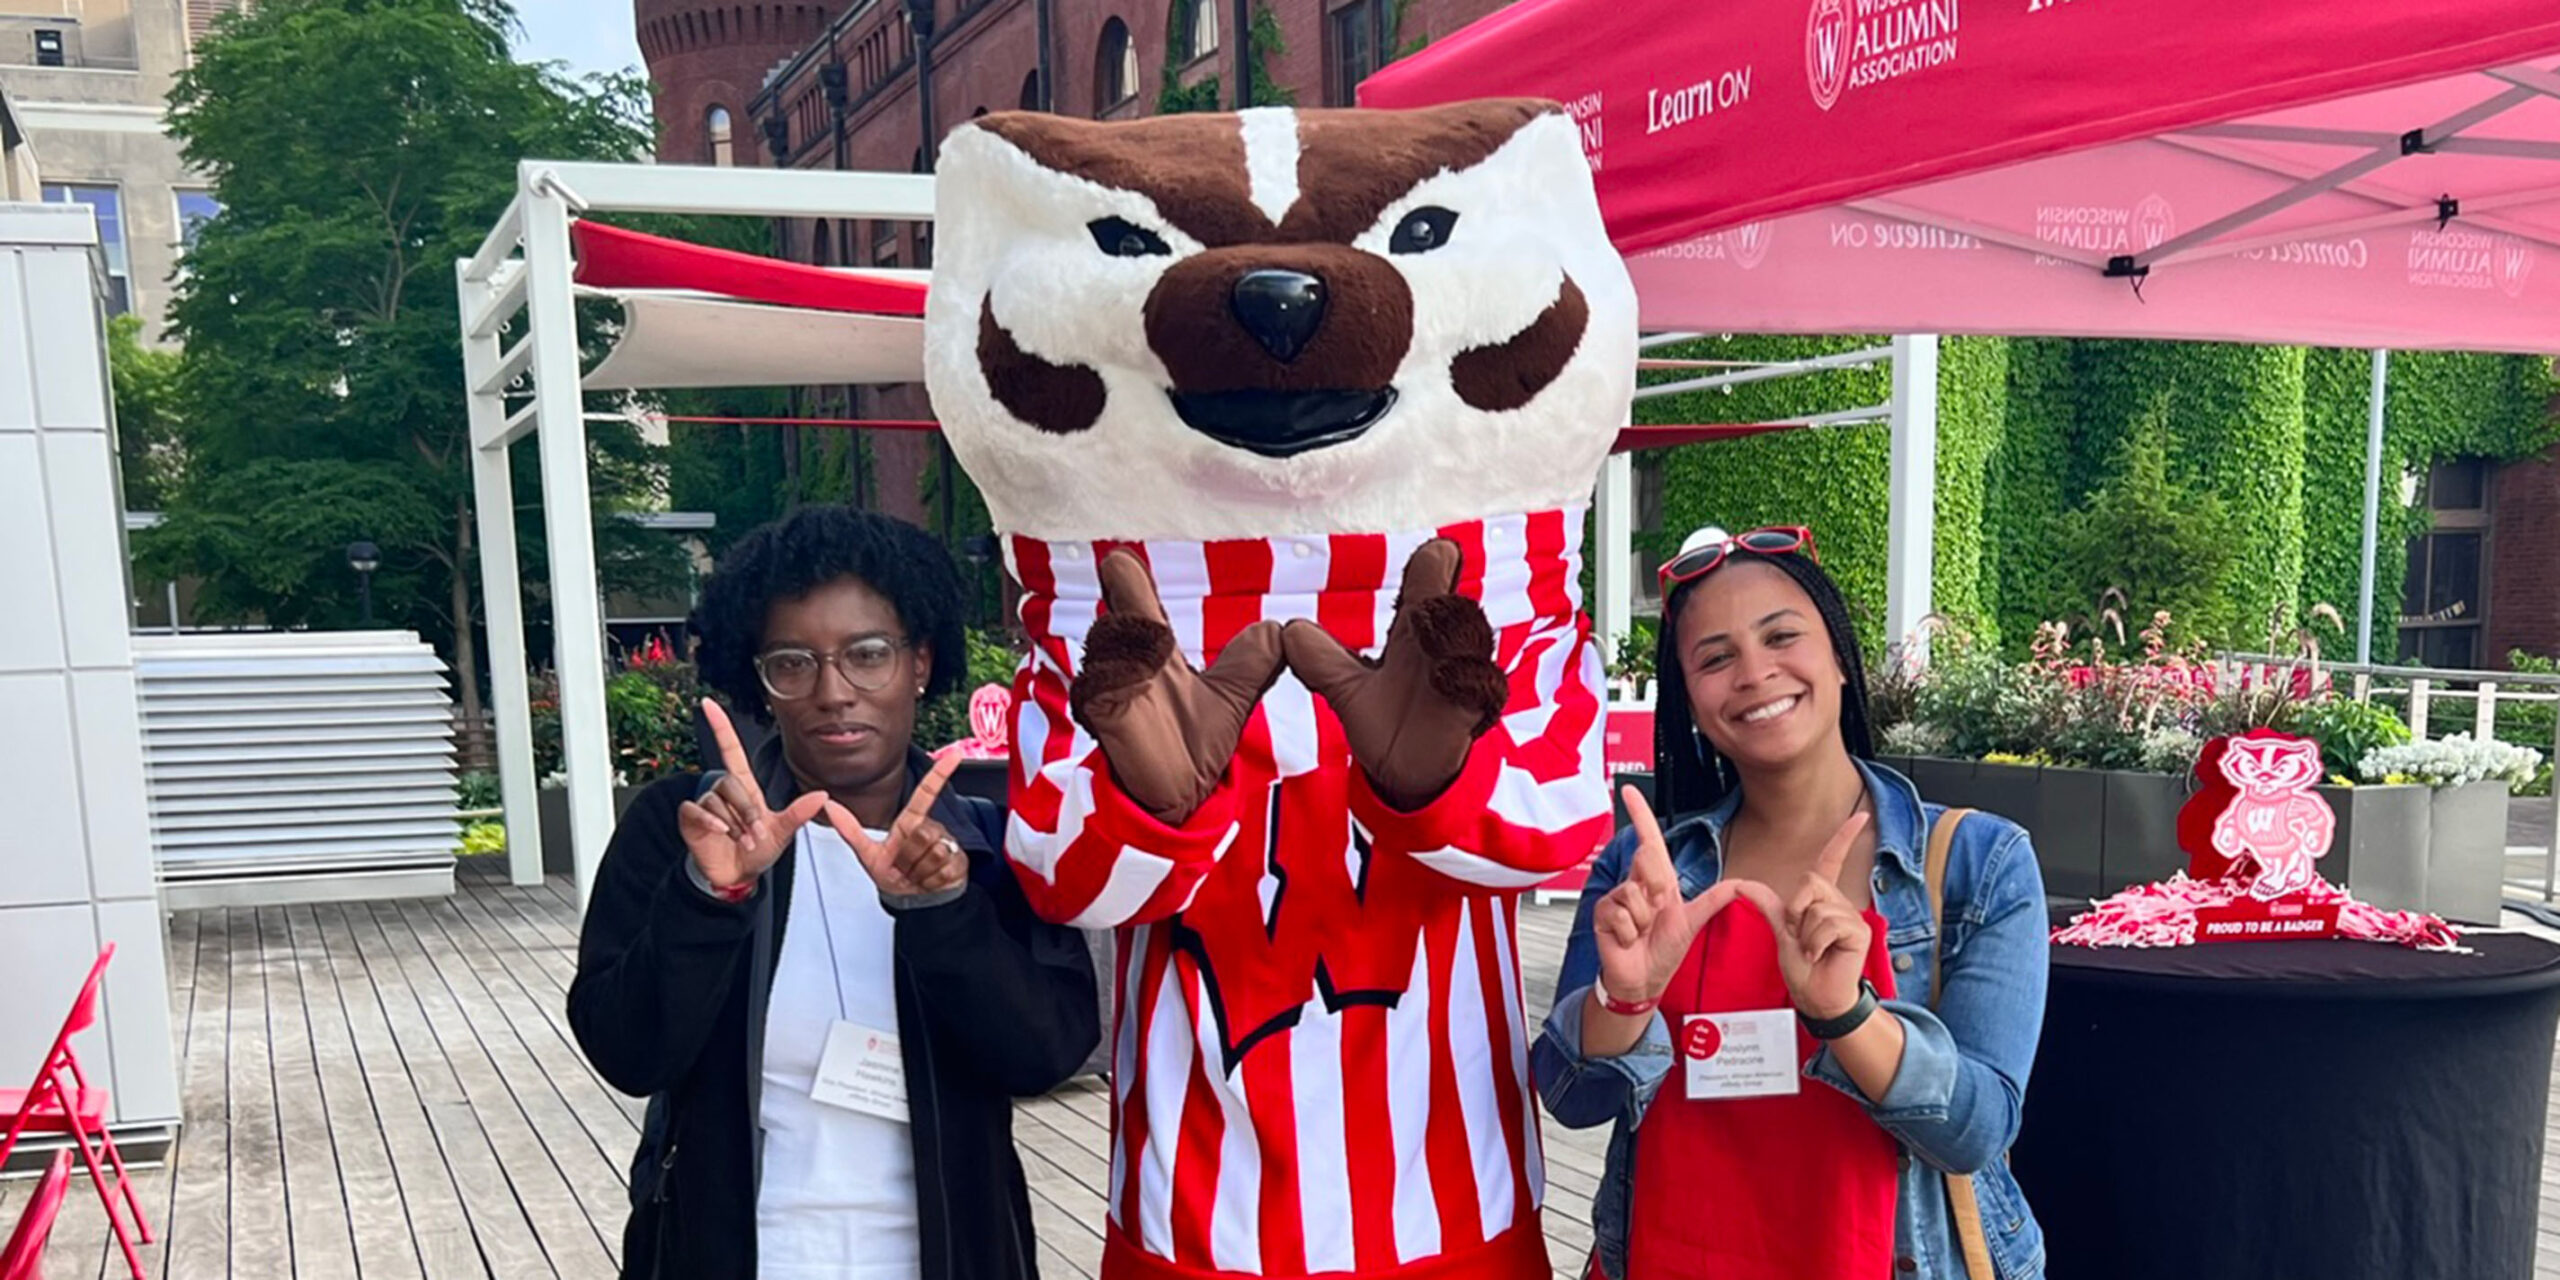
column 1826, row 51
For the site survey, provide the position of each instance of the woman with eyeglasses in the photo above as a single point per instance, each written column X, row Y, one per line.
column 814, row 961
column 1807, row 1000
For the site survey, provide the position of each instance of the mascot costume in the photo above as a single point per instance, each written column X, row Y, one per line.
column 1287, row 420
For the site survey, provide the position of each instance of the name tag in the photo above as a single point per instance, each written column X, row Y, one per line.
column 1740, row 1055
column 860, row 1071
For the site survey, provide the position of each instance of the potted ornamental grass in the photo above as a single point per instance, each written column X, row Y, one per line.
column 2468, row 782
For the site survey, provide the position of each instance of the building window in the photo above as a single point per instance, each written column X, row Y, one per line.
column 715, row 128
column 109, row 207
column 195, row 208
column 48, row 47
column 822, row 245
column 2444, row 600
column 1031, row 92
column 1115, row 71
column 1197, row 22
column 884, row 243
column 1358, row 38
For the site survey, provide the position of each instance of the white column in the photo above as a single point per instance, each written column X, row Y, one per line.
column 577, row 614
column 1912, row 489
column 2372, row 503
column 501, row 598
column 77, row 867
column 1613, row 538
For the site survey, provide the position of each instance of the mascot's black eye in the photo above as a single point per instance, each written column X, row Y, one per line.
column 1122, row 238
column 1422, row 230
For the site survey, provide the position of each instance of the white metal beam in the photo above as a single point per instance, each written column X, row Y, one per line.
column 2372, row 503
column 510, row 367
column 502, row 604
column 2333, row 178
column 500, row 304
column 1911, row 517
column 502, row 240
column 577, row 613
column 1815, row 364
column 2546, row 83
column 2478, row 210
column 1613, row 539
column 741, row 192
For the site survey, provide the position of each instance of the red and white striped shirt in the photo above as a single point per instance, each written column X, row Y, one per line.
column 1321, row 1054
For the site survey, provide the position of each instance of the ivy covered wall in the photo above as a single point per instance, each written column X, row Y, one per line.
column 2032, row 431
column 1833, row 479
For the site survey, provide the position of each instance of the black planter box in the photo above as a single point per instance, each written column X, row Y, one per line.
column 2068, row 825
column 2141, row 824
column 554, row 806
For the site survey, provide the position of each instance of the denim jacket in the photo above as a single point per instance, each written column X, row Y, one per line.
column 1955, row 1104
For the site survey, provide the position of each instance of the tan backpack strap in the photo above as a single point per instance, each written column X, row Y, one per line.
column 1962, row 1205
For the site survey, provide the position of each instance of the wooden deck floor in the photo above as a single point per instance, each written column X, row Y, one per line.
column 390, row 1090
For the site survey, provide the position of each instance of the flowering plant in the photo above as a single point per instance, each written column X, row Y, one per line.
column 2453, row 762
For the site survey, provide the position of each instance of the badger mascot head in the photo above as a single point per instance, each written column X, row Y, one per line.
column 1278, row 321
column 1289, row 418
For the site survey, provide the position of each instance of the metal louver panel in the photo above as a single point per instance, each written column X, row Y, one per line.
column 293, row 766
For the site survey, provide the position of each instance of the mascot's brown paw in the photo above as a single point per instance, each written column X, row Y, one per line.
column 1454, row 634
column 1122, row 655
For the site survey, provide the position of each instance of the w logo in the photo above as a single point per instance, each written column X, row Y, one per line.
column 1826, row 49
column 2154, row 221
column 2515, row 264
column 1748, row 244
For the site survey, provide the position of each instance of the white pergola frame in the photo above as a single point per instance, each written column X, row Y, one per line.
column 525, row 265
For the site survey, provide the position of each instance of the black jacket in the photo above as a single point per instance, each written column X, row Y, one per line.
column 669, row 1002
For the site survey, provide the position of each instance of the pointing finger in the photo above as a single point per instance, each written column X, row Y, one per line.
column 871, row 853
column 930, row 789
column 1835, row 855
column 1653, row 857
column 733, row 756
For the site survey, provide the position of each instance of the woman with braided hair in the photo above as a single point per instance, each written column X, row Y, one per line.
column 1820, row 1083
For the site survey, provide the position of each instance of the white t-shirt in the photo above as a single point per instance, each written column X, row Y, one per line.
column 838, row 1199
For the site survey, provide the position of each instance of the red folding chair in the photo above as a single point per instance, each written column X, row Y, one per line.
column 21, row 1260
column 61, row 1101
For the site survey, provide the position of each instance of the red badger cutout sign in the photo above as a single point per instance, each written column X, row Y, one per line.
column 2255, row 819
column 1288, row 420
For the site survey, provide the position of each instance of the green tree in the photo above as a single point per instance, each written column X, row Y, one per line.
column 2162, row 545
column 145, row 382
column 359, row 147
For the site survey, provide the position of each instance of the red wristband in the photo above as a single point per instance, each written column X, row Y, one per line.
column 1611, row 1004
column 735, row 893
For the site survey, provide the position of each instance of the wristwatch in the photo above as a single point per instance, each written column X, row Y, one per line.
column 1856, row 1017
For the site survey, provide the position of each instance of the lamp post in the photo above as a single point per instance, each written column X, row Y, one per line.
column 920, row 21
column 1244, row 52
column 364, row 558
column 837, row 84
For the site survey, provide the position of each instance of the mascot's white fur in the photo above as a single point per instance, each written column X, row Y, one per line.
column 1288, row 420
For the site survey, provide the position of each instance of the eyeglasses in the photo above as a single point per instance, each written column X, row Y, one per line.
column 1708, row 548
column 869, row 664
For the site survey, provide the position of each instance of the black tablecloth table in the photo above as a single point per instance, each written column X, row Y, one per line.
column 2268, row 1110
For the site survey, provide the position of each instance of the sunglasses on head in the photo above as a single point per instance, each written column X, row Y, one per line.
column 1708, row 548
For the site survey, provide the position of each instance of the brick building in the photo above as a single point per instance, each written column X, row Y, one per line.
column 2523, row 589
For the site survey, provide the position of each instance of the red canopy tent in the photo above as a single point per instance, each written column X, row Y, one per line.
column 1946, row 167
column 2330, row 172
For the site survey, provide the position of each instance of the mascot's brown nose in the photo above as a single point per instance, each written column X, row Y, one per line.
column 1281, row 309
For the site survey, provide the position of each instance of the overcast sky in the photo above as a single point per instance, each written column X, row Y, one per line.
column 589, row 35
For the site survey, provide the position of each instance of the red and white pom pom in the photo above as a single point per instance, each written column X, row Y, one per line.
column 2163, row 914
